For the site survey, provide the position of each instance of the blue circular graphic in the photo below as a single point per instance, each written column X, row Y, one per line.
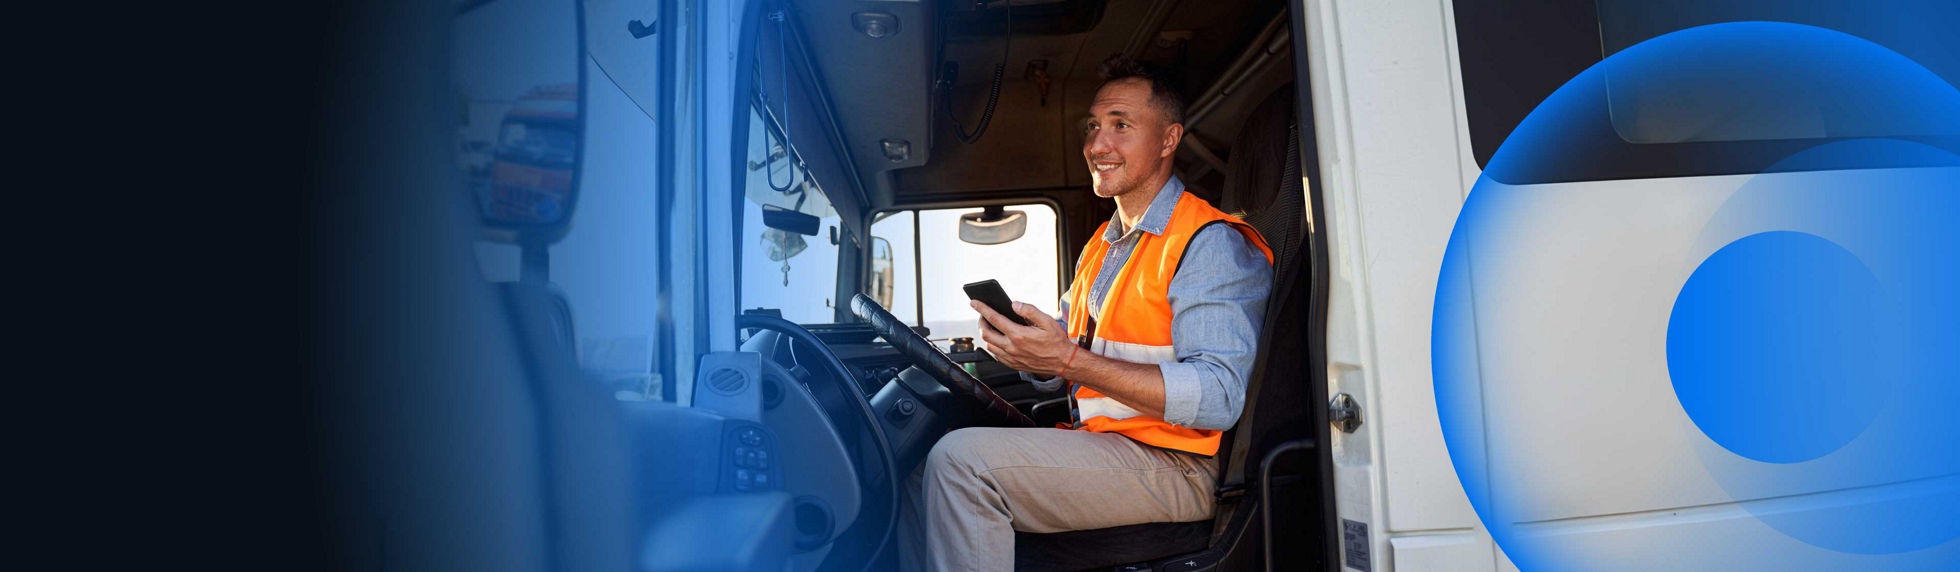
column 1763, row 340
column 1808, row 332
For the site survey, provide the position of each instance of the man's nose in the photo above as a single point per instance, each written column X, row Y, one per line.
column 1096, row 144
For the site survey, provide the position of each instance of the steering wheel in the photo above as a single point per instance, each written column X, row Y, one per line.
column 841, row 383
column 988, row 408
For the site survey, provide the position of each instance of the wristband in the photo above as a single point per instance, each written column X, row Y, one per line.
column 1071, row 360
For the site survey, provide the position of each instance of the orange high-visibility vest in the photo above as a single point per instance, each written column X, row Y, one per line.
column 1134, row 323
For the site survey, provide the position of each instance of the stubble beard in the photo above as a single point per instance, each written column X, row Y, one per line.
column 1110, row 189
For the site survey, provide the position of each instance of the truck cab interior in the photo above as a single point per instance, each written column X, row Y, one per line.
column 789, row 449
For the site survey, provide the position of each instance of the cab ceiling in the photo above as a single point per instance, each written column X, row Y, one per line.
column 881, row 88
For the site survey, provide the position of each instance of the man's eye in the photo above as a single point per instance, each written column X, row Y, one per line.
column 1121, row 125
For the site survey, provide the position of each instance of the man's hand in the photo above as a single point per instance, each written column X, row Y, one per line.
column 1042, row 349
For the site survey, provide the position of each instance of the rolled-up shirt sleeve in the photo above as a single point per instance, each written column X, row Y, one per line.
column 1218, row 305
column 1052, row 384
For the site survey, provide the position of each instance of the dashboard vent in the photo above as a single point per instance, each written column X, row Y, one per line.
column 727, row 381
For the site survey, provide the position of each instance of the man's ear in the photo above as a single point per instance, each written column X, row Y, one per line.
column 1173, row 135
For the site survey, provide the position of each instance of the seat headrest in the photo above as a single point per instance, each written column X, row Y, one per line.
column 1259, row 155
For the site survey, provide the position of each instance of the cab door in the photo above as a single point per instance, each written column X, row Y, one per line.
column 1391, row 146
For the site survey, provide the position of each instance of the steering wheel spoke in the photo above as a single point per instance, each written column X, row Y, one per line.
column 988, row 407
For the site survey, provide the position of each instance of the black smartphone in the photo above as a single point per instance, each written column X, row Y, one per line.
column 989, row 292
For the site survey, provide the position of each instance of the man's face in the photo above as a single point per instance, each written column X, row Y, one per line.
column 1126, row 139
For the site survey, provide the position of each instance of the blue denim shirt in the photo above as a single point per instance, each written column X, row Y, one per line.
column 1218, row 304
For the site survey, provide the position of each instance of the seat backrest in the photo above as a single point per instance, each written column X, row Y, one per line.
column 1262, row 178
column 1265, row 187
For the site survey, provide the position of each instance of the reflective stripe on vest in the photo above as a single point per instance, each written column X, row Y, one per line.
column 1134, row 323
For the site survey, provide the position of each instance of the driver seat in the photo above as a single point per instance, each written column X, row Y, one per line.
column 1263, row 186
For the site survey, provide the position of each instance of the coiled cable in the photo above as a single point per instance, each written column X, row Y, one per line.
column 993, row 94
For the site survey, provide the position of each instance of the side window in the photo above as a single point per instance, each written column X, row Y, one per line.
column 929, row 263
column 1513, row 55
column 894, row 281
column 606, row 265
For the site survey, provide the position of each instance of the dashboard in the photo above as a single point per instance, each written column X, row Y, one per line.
column 875, row 364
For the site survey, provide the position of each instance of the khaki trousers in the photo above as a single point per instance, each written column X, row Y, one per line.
column 980, row 484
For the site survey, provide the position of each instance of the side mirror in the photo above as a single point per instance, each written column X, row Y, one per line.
column 882, row 271
column 517, row 70
column 993, row 225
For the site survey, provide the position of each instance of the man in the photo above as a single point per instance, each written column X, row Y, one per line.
column 1156, row 340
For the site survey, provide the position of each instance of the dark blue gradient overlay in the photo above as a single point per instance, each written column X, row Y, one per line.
column 1815, row 344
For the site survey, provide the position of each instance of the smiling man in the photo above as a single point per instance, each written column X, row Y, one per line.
column 1155, row 342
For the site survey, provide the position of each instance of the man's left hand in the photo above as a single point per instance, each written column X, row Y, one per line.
column 1042, row 349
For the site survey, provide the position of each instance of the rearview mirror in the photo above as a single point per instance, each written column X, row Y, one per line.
column 790, row 221
column 517, row 75
column 993, row 225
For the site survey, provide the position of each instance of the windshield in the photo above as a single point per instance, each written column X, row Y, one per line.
column 785, row 270
column 1025, row 267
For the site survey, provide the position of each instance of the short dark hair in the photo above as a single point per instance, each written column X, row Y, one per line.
column 1163, row 87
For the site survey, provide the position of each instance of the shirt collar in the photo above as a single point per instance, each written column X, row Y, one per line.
column 1155, row 217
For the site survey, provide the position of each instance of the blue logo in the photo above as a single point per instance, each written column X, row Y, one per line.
column 1780, row 355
